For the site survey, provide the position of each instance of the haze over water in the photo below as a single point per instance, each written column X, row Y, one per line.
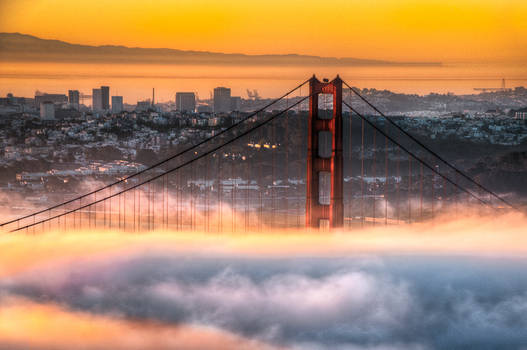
column 135, row 81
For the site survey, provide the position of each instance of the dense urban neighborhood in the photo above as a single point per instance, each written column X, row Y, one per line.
column 55, row 142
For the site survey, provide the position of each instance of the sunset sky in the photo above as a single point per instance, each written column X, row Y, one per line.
column 409, row 30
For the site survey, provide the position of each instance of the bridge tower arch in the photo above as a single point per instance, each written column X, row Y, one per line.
column 324, row 181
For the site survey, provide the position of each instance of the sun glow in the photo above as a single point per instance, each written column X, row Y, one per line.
column 51, row 326
column 471, row 234
column 484, row 30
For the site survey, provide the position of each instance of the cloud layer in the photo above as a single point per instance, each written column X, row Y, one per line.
column 366, row 302
column 448, row 284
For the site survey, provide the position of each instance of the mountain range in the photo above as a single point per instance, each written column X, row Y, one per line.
column 16, row 47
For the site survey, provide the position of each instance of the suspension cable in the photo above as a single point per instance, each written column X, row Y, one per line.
column 124, row 179
column 214, row 149
column 413, row 155
column 457, row 170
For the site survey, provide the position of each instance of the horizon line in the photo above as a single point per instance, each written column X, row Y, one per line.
column 366, row 61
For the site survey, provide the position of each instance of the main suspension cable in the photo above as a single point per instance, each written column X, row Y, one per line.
column 435, row 154
column 237, row 137
column 124, row 179
column 413, row 155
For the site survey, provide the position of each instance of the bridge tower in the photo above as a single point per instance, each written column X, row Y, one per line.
column 324, row 198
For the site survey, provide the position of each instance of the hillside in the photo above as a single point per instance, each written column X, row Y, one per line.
column 21, row 47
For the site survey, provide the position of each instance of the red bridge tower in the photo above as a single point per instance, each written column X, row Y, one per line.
column 324, row 198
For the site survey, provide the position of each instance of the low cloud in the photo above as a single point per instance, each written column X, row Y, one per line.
column 30, row 325
column 448, row 284
column 361, row 302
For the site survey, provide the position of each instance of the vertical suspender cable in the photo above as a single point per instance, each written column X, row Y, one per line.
column 109, row 216
column 125, row 219
column 95, row 213
column 374, row 170
column 219, row 189
column 286, row 148
column 261, row 178
column 299, row 208
column 409, row 189
column 386, row 177
column 234, row 191
column 246, row 168
column 163, row 201
column 206, row 195
column 421, row 193
column 350, row 164
column 398, row 183
column 273, row 142
column 433, row 195
column 362, row 175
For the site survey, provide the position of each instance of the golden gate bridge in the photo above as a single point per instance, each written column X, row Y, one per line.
column 350, row 169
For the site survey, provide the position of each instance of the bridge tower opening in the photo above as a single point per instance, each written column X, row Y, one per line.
column 324, row 197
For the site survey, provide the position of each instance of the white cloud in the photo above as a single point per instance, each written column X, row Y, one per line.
column 416, row 303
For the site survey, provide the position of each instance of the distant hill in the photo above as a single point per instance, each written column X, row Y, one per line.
column 27, row 48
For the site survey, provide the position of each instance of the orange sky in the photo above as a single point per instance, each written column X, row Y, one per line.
column 415, row 30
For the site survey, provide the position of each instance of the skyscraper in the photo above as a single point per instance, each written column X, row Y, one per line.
column 117, row 104
column 73, row 98
column 185, row 101
column 222, row 100
column 97, row 100
column 105, row 96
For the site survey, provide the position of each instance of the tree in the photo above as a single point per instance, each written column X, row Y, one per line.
column 146, row 156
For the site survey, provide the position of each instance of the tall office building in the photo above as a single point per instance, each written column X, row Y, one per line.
column 185, row 101
column 105, row 96
column 73, row 98
column 97, row 100
column 117, row 104
column 222, row 100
